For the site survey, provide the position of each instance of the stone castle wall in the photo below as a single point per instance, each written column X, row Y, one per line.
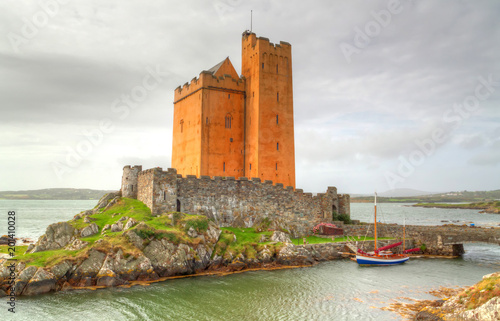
column 242, row 202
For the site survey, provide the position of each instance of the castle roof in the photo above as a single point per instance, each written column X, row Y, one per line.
column 225, row 67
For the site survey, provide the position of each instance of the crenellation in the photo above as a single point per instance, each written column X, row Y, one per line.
column 234, row 202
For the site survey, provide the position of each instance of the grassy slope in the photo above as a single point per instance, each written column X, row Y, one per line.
column 232, row 242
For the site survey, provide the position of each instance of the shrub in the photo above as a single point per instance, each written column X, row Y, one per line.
column 263, row 225
column 200, row 224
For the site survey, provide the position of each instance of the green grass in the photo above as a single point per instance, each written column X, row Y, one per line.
column 124, row 207
column 318, row 240
column 197, row 222
column 47, row 258
column 481, row 292
column 247, row 242
column 4, row 249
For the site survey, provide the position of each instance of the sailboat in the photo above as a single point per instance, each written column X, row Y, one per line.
column 381, row 256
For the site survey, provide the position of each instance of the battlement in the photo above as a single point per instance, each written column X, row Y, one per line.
column 232, row 201
column 263, row 44
column 207, row 80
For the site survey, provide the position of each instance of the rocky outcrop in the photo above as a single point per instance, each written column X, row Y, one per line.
column 89, row 230
column 478, row 302
column 56, row 236
column 151, row 257
column 41, row 282
column 117, row 227
column 279, row 236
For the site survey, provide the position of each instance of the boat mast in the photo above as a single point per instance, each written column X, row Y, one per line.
column 404, row 233
column 375, row 226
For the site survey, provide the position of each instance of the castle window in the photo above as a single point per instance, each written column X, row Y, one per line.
column 262, row 65
column 278, row 97
column 277, row 120
column 253, row 93
column 224, row 166
column 250, row 166
column 276, row 68
column 164, row 195
column 276, row 166
column 182, row 124
column 277, row 146
column 206, row 120
column 228, row 96
column 228, row 120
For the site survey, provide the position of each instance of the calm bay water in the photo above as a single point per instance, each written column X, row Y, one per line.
column 337, row 290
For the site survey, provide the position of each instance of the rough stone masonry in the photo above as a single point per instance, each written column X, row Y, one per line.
column 233, row 202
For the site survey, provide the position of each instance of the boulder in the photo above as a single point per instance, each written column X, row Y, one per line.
column 105, row 200
column 279, row 236
column 106, row 276
column 111, row 203
column 23, row 279
column 212, row 233
column 117, row 227
column 169, row 259
column 124, row 218
column 294, row 255
column 105, row 228
column 60, row 269
column 134, row 239
column 77, row 244
column 56, row 236
column 86, row 219
column 89, row 230
column 89, row 267
column 265, row 256
column 132, row 268
column 41, row 282
column 130, row 223
column 30, row 248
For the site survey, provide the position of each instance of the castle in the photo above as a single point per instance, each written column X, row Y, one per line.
column 233, row 149
column 227, row 125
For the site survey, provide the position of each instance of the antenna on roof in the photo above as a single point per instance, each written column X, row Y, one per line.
column 251, row 20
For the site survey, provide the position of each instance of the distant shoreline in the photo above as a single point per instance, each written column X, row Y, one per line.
column 486, row 207
column 55, row 194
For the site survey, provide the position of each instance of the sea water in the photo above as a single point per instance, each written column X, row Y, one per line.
column 335, row 290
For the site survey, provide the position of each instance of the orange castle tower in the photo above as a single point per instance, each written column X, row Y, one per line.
column 226, row 125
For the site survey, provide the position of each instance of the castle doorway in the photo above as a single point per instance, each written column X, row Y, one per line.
column 178, row 205
column 334, row 212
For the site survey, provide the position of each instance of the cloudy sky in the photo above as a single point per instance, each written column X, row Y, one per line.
column 387, row 94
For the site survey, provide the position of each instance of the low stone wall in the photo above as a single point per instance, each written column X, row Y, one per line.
column 439, row 240
column 234, row 202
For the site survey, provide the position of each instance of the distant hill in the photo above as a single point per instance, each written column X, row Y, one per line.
column 54, row 194
column 448, row 197
column 404, row 192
